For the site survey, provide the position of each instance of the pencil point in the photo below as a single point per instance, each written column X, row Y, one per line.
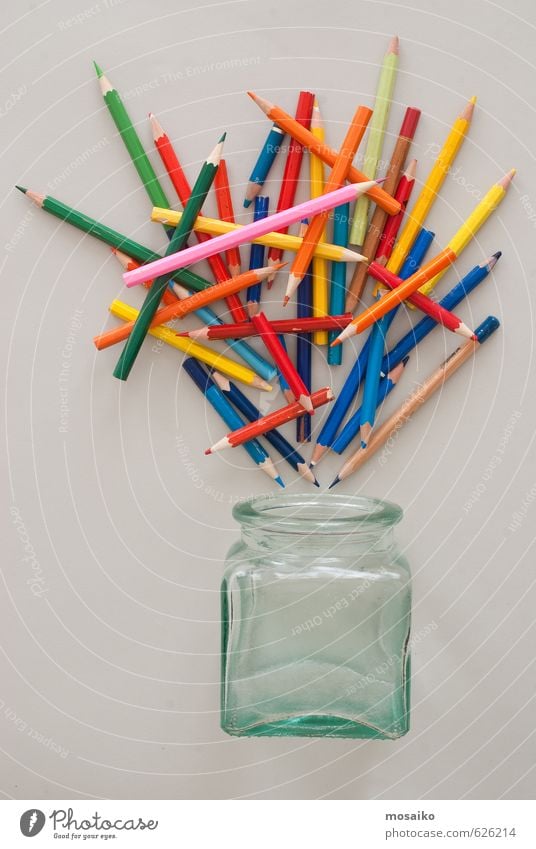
column 21, row 189
column 98, row 69
column 507, row 179
column 157, row 129
column 405, row 361
column 208, row 451
column 307, row 404
column 334, row 483
column 469, row 108
column 246, row 203
column 335, row 343
column 286, row 299
column 394, row 45
column 263, row 104
column 223, row 137
column 463, row 330
column 411, row 170
column 279, row 480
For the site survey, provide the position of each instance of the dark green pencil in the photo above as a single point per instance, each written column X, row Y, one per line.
column 178, row 241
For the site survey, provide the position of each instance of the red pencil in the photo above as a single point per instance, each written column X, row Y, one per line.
column 226, row 213
column 283, row 325
column 271, row 421
column 282, row 361
column 291, row 174
column 182, row 187
column 390, row 231
column 422, row 302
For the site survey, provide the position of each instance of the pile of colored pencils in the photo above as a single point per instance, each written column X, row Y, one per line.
column 352, row 220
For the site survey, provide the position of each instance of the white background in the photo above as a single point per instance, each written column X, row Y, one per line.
column 110, row 673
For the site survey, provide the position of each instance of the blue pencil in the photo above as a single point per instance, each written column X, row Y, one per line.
column 259, row 364
column 217, row 399
column 451, row 300
column 256, row 257
column 353, row 425
column 304, row 350
column 285, row 388
column 264, row 162
column 337, row 292
column 274, row 437
column 357, row 373
column 369, row 403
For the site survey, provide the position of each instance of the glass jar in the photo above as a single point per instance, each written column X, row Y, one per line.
column 316, row 604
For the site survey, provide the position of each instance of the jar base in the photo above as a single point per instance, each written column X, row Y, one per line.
column 316, row 725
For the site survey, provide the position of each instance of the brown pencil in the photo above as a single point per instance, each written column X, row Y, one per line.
column 379, row 217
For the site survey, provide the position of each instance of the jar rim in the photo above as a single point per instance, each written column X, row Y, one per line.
column 327, row 512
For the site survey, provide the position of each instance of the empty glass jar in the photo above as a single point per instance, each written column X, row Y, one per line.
column 316, row 604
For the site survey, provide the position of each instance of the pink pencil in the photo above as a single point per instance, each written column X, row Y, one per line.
column 251, row 231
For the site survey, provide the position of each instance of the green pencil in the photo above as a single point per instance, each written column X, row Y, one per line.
column 178, row 240
column 376, row 134
column 110, row 237
column 131, row 140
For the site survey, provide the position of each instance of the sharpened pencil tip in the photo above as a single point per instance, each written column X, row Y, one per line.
column 405, row 360
column 363, row 444
column 394, row 45
column 316, row 483
column 279, row 480
column 498, row 254
column 208, row 451
column 334, row 483
column 222, row 139
column 21, row 189
column 98, row 69
column 335, row 343
column 247, row 203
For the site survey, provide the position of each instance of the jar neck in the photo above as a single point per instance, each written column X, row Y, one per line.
column 314, row 544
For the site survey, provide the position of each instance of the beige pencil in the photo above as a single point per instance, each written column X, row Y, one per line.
column 390, row 428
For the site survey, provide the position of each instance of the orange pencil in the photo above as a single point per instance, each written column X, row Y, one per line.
column 226, row 213
column 188, row 305
column 336, row 179
column 325, row 153
column 387, row 302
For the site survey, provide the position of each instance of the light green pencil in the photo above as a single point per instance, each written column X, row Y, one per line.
column 378, row 124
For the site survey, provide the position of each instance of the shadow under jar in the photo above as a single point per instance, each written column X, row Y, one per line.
column 316, row 606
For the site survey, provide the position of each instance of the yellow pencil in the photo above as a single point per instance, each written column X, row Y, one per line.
column 194, row 349
column 320, row 266
column 472, row 225
column 216, row 227
column 431, row 187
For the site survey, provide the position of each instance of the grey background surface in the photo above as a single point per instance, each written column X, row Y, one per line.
column 115, row 524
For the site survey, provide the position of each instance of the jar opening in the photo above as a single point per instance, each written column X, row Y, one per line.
column 328, row 513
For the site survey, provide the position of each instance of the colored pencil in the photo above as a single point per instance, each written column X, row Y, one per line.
column 304, row 363
column 224, row 201
column 427, row 305
column 436, row 381
column 378, row 125
column 188, row 346
column 325, row 153
column 291, row 173
column 182, row 187
column 283, row 382
column 391, row 299
column 369, row 403
column 392, row 225
column 283, row 241
column 272, row 420
column 418, row 332
column 474, row 222
column 182, row 308
column 357, row 373
column 283, row 361
column 319, row 280
column 430, row 189
column 261, row 366
column 284, row 325
column 178, row 240
column 110, row 237
column 317, row 225
column 379, row 216
column 337, row 289
column 227, row 412
column 131, row 139
column 248, row 233
column 274, row 437
column 265, row 160
column 353, row 425
column 256, row 256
